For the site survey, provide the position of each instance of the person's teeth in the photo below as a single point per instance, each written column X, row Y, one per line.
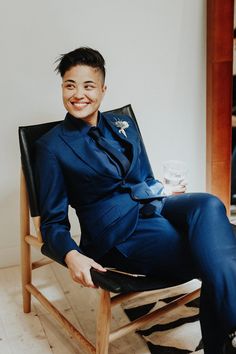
column 79, row 104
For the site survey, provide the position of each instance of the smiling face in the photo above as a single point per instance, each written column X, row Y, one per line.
column 83, row 90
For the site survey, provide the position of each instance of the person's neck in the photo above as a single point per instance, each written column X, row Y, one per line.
column 93, row 120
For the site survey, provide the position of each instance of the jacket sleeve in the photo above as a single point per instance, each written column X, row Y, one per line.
column 53, row 205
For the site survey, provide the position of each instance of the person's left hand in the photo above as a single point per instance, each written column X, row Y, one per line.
column 180, row 189
column 174, row 190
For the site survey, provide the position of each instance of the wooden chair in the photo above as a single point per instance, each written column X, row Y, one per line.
column 125, row 287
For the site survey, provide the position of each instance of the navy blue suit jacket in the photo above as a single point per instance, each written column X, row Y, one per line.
column 107, row 204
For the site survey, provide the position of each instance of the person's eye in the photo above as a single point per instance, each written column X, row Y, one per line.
column 89, row 87
column 70, row 86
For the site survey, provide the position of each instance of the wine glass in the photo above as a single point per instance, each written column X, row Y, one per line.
column 175, row 176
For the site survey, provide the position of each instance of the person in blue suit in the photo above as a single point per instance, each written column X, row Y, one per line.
column 96, row 163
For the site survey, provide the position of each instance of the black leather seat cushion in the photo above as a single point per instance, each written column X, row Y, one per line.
column 120, row 283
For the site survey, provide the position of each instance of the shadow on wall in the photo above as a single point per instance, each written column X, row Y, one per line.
column 10, row 229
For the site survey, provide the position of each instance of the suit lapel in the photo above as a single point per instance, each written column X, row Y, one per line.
column 72, row 136
column 130, row 139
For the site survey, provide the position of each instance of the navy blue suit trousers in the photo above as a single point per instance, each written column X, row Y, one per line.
column 190, row 238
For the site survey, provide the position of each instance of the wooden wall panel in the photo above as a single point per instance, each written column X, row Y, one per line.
column 219, row 92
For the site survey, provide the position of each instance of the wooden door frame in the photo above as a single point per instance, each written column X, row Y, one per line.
column 220, row 23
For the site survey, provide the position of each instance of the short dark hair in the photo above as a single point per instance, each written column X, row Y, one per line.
column 81, row 56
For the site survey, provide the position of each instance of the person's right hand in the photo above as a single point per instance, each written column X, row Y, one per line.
column 79, row 266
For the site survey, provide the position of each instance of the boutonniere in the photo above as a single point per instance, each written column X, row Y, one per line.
column 122, row 124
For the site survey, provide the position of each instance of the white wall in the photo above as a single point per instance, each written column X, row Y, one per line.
column 155, row 54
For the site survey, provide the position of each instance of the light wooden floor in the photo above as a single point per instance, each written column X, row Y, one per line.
column 37, row 332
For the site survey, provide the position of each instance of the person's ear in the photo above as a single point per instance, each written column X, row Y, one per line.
column 104, row 88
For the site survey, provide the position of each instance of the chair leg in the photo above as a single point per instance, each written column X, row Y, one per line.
column 103, row 323
column 26, row 271
column 26, row 276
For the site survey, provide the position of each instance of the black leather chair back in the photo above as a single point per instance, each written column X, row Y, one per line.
column 27, row 137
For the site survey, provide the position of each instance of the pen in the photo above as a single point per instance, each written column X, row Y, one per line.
column 125, row 273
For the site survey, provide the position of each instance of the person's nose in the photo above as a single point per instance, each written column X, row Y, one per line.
column 79, row 92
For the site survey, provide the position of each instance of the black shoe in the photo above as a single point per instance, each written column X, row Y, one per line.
column 228, row 348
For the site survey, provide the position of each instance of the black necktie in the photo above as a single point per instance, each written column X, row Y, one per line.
column 118, row 156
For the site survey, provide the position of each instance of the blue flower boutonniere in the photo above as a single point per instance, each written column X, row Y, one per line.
column 122, row 125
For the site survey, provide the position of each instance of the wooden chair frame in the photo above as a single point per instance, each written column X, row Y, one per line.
column 103, row 334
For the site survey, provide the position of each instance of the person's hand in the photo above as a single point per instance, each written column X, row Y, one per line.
column 180, row 189
column 175, row 190
column 79, row 266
